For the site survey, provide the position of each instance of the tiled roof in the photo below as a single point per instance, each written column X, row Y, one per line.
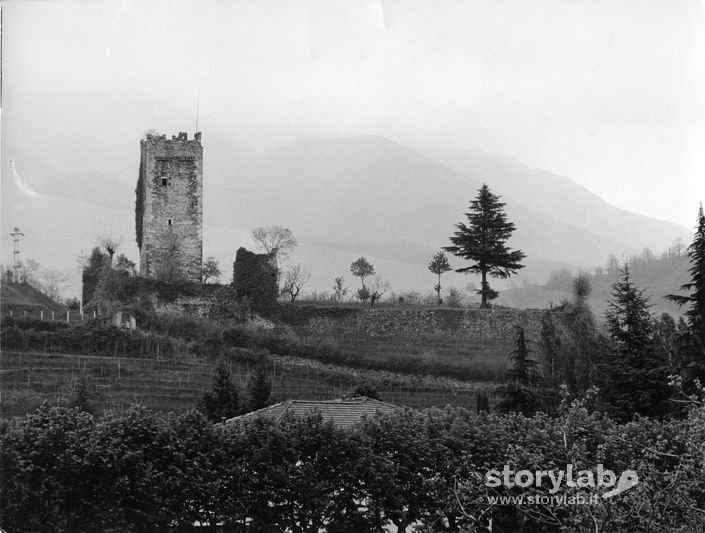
column 344, row 413
column 22, row 296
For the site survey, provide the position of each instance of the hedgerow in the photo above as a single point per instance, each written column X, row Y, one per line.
column 65, row 470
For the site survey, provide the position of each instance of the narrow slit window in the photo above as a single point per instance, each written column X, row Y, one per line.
column 168, row 221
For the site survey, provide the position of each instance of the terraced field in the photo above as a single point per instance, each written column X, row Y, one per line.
column 28, row 379
column 487, row 361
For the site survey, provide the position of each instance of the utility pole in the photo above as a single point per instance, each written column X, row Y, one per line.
column 16, row 234
column 82, row 260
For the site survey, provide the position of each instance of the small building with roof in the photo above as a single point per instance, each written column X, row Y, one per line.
column 21, row 299
column 344, row 413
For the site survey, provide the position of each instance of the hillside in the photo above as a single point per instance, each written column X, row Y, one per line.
column 657, row 277
column 412, row 356
column 563, row 198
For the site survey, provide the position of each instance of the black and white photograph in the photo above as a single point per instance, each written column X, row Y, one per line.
column 341, row 266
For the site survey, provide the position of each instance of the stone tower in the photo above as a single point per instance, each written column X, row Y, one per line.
column 169, row 209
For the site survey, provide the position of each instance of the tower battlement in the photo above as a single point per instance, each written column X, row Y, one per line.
column 169, row 207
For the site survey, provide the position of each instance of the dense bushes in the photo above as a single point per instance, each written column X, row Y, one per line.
column 33, row 323
column 63, row 470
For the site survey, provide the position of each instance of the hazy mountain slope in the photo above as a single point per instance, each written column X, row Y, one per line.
column 564, row 199
column 657, row 278
column 20, row 169
column 76, row 131
column 372, row 190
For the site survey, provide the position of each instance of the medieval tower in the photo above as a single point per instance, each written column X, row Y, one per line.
column 169, row 209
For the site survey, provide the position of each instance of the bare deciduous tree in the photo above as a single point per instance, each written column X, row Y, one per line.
column 678, row 248
column 294, row 280
column 339, row 289
column 377, row 289
column 28, row 271
column 210, row 270
column 455, row 297
column 110, row 244
column 53, row 283
column 275, row 240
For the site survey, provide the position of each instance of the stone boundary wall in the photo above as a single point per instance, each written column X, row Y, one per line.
column 486, row 325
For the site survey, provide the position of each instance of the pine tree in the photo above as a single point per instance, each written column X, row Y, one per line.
column 585, row 348
column 80, row 398
column 690, row 345
column 222, row 401
column 482, row 403
column 483, row 241
column 259, row 388
column 550, row 344
column 524, row 370
column 636, row 377
column 516, row 392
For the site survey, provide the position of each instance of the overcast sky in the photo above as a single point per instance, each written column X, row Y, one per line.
column 609, row 93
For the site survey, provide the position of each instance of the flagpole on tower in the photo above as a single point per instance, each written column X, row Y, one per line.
column 198, row 101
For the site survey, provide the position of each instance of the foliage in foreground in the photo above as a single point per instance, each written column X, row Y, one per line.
column 65, row 470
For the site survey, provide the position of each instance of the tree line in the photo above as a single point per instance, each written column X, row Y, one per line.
column 633, row 365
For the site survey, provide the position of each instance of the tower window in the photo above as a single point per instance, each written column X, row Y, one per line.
column 165, row 182
column 168, row 221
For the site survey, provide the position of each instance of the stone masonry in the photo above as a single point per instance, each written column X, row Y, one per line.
column 169, row 208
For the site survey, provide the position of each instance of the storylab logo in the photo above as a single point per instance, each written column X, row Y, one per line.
column 601, row 478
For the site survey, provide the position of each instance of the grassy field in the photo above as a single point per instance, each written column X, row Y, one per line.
column 28, row 379
column 485, row 361
column 420, row 340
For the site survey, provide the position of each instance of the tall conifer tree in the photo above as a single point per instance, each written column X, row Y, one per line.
column 516, row 392
column 483, row 241
column 637, row 373
column 690, row 346
column 222, row 401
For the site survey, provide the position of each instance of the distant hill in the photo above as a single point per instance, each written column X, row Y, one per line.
column 560, row 197
column 656, row 276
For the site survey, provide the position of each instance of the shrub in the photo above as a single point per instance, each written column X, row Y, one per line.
column 455, row 297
